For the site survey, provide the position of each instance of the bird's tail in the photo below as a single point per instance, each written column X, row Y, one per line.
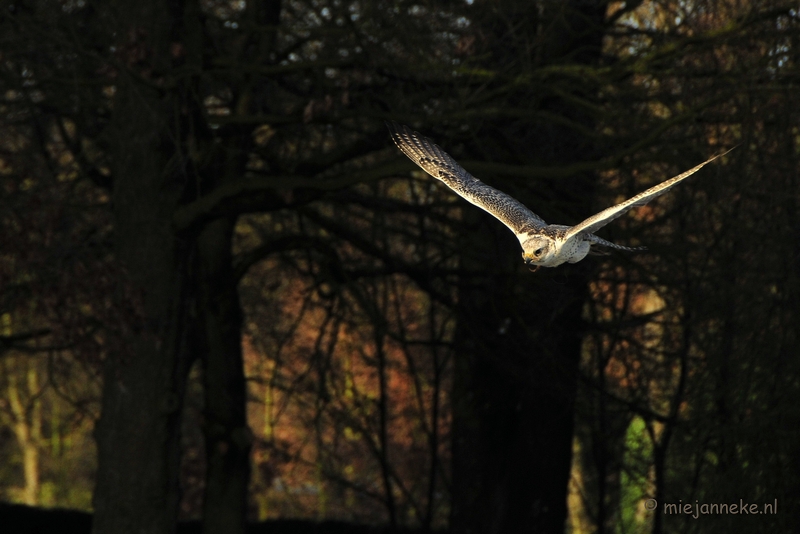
column 600, row 241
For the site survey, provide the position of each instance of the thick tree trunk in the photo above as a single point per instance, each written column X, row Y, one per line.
column 144, row 382
column 519, row 347
column 519, row 333
column 182, row 287
column 137, row 489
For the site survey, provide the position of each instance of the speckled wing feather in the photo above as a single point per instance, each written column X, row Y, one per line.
column 436, row 162
column 595, row 222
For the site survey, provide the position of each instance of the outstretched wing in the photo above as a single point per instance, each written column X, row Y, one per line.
column 439, row 164
column 595, row 222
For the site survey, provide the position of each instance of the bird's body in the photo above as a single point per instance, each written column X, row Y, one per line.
column 564, row 248
column 545, row 245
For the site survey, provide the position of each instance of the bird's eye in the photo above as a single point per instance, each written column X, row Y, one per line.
column 538, row 252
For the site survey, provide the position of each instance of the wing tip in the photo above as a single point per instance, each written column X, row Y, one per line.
column 395, row 128
column 401, row 134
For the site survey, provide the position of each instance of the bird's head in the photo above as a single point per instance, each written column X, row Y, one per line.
column 539, row 250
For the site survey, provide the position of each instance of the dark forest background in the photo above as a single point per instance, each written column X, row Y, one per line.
column 226, row 297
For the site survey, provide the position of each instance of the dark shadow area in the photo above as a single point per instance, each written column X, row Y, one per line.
column 21, row 519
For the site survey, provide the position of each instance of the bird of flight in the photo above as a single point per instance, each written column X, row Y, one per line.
column 543, row 245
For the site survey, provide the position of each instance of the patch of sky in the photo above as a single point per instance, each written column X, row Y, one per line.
column 353, row 8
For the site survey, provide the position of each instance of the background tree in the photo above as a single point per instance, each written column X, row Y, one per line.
column 653, row 386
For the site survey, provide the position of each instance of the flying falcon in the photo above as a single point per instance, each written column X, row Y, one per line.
column 543, row 245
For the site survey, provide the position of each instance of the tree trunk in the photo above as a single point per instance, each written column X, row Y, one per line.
column 519, row 333
column 144, row 383
column 227, row 435
column 137, row 489
column 27, row 426
column 514, row 395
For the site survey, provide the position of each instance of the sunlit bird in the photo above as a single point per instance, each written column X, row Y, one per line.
column 543, row 245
